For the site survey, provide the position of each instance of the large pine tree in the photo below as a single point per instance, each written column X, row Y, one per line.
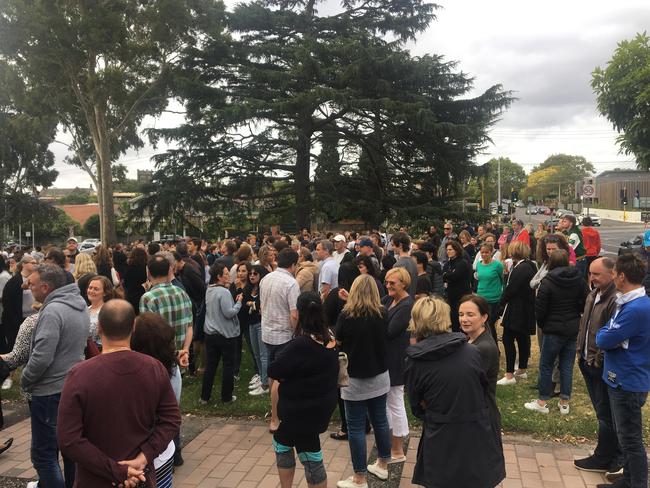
column 296, row 79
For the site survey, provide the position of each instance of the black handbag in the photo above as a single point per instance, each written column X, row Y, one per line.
column 5, row 370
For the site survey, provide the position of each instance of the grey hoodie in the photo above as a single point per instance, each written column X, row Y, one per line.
column 58, row 341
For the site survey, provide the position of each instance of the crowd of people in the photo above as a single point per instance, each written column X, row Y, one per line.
column 367, row 323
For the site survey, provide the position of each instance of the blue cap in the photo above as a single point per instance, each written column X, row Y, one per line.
column 646, row 238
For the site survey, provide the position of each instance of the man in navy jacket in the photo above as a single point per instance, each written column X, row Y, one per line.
column 626, row 342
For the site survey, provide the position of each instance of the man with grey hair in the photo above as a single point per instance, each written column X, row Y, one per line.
column 328, row 277
column 58, row 343
column 600, row 306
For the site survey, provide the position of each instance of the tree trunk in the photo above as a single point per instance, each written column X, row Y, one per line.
column 108, row 235
column 301, row 181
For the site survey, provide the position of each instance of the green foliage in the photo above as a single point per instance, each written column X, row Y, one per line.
column 91, row 226
column 561, row 170
column 623, row 96
column 78, row 197
column 292, row 80
column 101, row 67
column 483, row 185
column 26, row 131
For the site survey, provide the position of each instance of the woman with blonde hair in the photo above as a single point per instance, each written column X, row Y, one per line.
column 84, row 270
column 518, row 317
column 448, row 391
column 397, row 304
column 266, row 257
column 361, row 333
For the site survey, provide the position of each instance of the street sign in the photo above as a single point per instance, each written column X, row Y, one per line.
column 588, row 191
column 28, row 234
column 645, row 216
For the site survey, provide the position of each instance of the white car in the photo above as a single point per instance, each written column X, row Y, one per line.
column 595, row 219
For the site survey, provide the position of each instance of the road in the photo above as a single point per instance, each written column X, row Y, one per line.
column 612, row 232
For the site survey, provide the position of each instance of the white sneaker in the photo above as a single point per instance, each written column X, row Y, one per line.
column 260, row 390
column 32, row 484
column 536, row 407
column 521, row 376
column 507, row 381
column 253, row 386
column 7, row 383
column 564, row 409
column 380, row 473
column 349, row 483
column 255, row 379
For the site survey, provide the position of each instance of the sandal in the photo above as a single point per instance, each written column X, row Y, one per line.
column 339, row 436
column 6, row 445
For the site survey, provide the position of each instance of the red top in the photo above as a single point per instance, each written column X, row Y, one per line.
column 523, row 236
column 113, row 407
column 591, row 241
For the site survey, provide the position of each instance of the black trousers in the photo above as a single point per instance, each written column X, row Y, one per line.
column 216, row 348
column 523, row 343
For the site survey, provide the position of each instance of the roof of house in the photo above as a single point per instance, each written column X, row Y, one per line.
column 625, row 175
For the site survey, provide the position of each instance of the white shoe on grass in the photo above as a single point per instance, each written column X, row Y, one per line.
column 536, row 407
column 507, row 381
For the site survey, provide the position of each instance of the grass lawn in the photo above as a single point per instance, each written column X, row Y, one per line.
column 580, row 425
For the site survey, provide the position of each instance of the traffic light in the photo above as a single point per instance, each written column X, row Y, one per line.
column 500, row 209
column 514, row 196
column 623, row 196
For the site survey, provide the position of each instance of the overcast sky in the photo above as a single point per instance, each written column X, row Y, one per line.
column 543, row 52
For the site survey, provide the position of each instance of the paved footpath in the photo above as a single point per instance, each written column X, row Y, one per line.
column 238, row 453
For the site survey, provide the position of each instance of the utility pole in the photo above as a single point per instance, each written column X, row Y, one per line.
column 499, row 186
column 559, row 194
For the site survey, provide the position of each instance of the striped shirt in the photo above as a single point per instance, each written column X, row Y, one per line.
column 279, row 293
column 173, row 304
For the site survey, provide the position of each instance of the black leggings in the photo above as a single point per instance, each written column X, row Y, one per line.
column 523, row 344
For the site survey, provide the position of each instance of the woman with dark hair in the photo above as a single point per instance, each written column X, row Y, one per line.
column 456, row 274
column 259, row 383
column 364, row 263
column 153, row 336
column 307, row 372
column 135, row 275
column 238, row 287
column 559, row 304
column 104, row 263
column 473, row 314
column 221, row 332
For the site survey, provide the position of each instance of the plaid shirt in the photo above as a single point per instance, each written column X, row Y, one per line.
column 173, row 304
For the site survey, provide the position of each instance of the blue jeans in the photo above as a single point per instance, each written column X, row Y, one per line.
column 553, row 347
column 607, row 451
column 626, row 410
column 355, row 412
column 259, row 351
column 45, row 449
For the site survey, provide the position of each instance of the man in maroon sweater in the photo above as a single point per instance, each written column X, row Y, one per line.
column 117, row 411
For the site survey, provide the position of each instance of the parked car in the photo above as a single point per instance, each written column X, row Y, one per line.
column 634, row 245
column 595, row 219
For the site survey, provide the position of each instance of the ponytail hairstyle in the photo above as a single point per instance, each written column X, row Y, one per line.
column 311, row 317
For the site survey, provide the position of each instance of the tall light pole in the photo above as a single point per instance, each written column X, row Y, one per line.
column 499, row 187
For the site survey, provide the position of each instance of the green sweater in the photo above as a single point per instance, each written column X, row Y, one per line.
column 490, row 280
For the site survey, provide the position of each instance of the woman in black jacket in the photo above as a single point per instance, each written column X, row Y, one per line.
column 135, row 275
column 308, row 373
column 398, row 304
column 518, row 321
column 559, row 305
column 448, row 391
column 456, row 274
